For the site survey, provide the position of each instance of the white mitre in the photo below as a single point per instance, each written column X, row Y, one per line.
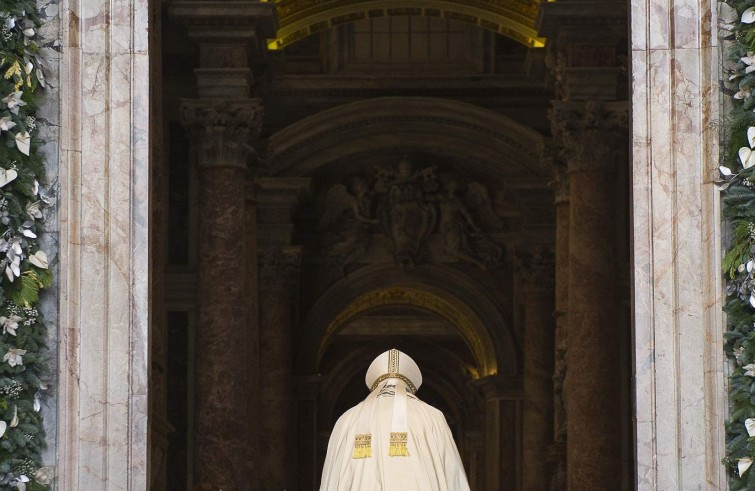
column 394, row 364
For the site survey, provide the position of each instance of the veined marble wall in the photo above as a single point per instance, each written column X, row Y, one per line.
column 104, row 259
column 680, row 392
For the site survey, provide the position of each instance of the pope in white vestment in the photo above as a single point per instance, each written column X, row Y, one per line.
column 392, row 441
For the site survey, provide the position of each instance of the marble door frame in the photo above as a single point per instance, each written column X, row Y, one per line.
column 104, row 310
column 680, row 390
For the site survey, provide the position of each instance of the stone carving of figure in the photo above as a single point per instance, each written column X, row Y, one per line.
column 404, row 213
column 463, row 237
column 344, row 227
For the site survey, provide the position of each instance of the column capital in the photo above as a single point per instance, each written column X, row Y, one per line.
column 279, row 268
column 222, row 129
column 536, row 269
column 555, row 166
column 501, row 386
column 592, row 134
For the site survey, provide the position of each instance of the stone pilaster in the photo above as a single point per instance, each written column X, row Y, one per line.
column 560, row 186
column 535, row 274
column 594, row 139
column 502, row 438
column 253, row 326
column 279, row 280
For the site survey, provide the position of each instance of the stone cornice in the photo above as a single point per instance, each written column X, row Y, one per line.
column 555, row 16
column 227, row 19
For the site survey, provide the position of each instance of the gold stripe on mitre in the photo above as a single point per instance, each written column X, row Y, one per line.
column 362, row 446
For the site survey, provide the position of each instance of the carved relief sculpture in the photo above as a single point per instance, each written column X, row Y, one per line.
column 409, row 206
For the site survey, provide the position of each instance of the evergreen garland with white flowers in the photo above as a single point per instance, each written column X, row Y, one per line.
column 738, row 202
column 23, row 265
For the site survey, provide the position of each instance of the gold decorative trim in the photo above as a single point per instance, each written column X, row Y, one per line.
column 511, row 18
column 398, row 447
column 362, row 446
column 412, row 388
column 458, row 314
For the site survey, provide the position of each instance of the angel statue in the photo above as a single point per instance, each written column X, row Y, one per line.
column 344, row 228
column 464, row 238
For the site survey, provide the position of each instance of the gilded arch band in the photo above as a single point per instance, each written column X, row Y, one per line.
column 512, row 18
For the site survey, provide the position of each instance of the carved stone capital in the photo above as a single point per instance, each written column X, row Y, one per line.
column 535, row 269
column 593, row 135
column 222, row 129
column 555, row 166
column 279, row 268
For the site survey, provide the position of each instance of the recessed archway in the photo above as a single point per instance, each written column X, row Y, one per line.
column 514, row 19
column 439, row 289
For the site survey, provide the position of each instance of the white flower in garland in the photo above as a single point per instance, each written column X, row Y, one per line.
column 10, row 324
column 744, row 93
column 743, row 465
column 7, row 175
column 23, row 142
column 14, row 356
column 13, row 101
column 34, row 209
column 749, row 370
column 39, row 259
column 748, row 16
column 20, row 482
column 750, row 426
column 6, row 124
column 746, row 154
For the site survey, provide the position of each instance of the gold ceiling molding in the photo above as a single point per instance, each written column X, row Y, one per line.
column 458, row 314
column 512, row 18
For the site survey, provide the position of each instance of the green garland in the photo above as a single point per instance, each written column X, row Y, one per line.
column 23, row 265
column 738, row 200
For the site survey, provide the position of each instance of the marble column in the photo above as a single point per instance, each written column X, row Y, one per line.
column 307, row 389
column 220, row 130
column 557, row 452
column 535, row 272
column 502, row 437
column 279, row 279
column 253, row 326
column 223, row 120
column 593, row 136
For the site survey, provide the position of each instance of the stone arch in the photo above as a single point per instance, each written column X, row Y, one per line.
column 478, row 318
column 512, row 18
column 485, row 140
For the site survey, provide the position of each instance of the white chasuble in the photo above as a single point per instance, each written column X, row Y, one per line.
column 432, row 463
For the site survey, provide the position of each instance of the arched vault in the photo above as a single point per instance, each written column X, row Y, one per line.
column 466, row 306
column 480, row 137
column 512, row 18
